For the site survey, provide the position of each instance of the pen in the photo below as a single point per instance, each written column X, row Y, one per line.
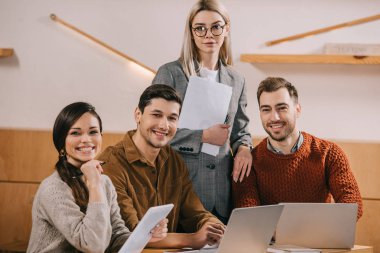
column 232, row 154
column 226, row 120
column 229, row 146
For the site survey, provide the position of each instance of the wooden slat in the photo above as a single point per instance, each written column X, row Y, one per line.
column 368, row 227
column 111, row 139
column 30, row 155
column 365, row 162
column 18, row 246
column 26, row 155
column 312, row 59
column 6, row 52
column 97, row 41
column 16, row 202
column 325, row 29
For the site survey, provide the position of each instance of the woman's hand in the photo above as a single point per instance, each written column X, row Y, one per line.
column 160, row 231
column 216, row 135
column 92, row 171
column 210, row 233
column 92, row 177
column 242, row 163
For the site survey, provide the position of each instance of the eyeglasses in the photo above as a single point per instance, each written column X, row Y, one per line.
column 201, row 31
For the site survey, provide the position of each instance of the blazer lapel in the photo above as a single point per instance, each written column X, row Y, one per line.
column 224, row 76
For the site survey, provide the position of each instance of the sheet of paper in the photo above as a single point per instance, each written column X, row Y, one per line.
column 291, row 249
column 183, row 251
column 205, row 104
column 206, row 249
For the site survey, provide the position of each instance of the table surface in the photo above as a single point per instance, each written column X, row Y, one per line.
column 20, row 247
column 355, row 249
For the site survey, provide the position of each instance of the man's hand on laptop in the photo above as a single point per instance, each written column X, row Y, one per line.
column 210, row 233
column 160, row 231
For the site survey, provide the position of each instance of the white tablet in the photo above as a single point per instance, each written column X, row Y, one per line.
column 141, row 235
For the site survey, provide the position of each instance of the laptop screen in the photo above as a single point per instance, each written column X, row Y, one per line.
column 318, row 225
column 250, row 229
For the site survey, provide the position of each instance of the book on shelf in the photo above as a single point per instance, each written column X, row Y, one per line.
column 356, row 49
column 291, row 249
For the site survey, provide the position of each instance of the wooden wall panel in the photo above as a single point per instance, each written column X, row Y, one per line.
column 111, row 139
column 368, row 227
column 30, row 155
column 26, row 155
column 365, row 162
column 16, row 202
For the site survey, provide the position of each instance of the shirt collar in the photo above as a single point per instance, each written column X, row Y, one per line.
column 295, row 148
column 132, row 154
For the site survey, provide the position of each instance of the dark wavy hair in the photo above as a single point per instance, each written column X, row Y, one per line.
column 68, row 172
column 159, row 91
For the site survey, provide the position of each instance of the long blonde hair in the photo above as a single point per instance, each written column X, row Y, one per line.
column 190, row 58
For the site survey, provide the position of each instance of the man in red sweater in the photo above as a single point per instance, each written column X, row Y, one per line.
column 290, row 165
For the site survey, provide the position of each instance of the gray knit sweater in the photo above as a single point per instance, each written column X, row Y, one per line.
column 60, row 226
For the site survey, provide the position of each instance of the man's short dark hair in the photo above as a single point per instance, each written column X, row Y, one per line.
column 158, row 91
column 272, row 84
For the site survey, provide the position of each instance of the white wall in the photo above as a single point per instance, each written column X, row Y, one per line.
column 54, row 66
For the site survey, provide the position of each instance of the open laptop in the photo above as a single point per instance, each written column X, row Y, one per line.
column 317, row 225
column 249, row 230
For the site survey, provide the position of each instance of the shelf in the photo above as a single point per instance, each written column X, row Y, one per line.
column 6, row 52
column 317, row 58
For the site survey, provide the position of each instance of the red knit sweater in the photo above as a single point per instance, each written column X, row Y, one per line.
column 316, row 171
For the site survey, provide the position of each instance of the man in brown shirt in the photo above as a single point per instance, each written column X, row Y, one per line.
column 147, row 172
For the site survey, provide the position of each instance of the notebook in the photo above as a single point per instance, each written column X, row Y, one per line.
column 317, row 225
column 141, row 234
column 249, row 230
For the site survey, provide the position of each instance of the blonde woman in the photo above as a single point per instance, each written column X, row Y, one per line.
column 206, row 52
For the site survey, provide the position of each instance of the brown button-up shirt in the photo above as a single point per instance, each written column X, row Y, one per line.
column 140, row 185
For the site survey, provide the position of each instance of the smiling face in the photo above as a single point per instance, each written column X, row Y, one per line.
column 209, row 44
column 157, row 125
column 278, row 113
column 83, row 141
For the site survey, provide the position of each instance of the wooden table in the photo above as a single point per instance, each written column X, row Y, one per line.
column 355, row 249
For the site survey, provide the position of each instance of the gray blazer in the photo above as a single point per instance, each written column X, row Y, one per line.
column 211, row 176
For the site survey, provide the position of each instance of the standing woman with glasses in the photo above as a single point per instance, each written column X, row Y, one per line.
column 75, row 209
column 206, row 52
